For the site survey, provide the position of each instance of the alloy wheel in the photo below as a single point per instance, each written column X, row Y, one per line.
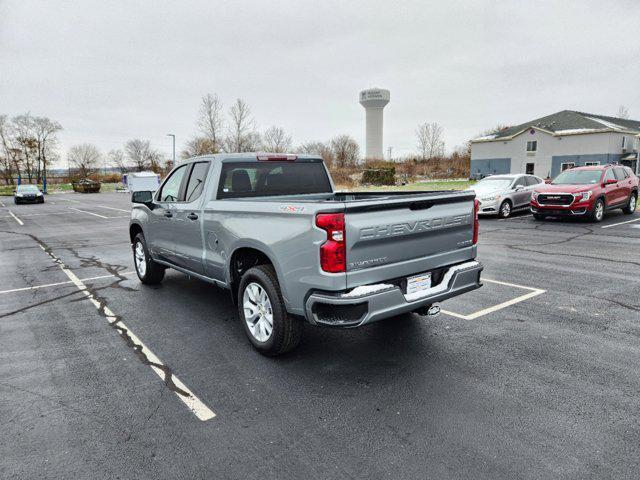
column 599, row 211
column 257, row 311
column 141, row 261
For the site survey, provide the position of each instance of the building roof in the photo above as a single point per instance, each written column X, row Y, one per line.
column 567, row 122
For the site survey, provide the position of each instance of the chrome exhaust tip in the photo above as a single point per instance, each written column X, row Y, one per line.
column 433, row 310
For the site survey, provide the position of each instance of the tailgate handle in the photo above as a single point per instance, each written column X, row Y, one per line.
column 420, row 205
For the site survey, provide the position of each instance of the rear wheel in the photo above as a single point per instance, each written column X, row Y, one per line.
column 505, row 209
column 597, row 213
column 149, row 272
column 270, row 329
column 631, row 204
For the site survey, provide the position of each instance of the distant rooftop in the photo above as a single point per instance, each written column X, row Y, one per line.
column 568, row 122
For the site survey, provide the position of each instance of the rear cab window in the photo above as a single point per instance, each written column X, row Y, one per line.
column 271, row 178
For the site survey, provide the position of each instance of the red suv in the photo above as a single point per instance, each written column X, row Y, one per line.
column 587, row 191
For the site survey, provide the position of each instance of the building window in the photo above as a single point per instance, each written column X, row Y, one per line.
column 532, row 146
column 591, row 164
column 566, row 166
column 624, row 142
column 530, row 168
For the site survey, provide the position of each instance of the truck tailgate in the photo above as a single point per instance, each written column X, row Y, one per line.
column 400, row 237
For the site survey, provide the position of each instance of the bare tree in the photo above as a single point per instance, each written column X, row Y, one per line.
column 12, row 154
column 241, row 135
column 211, row 123
column 623, row 112
column 318, row 148
column 26, row 141
column 345, row 150
column 275, row 139
column 197, row 146
column 117, row 160
column 430, row 140
column 44, row 130
column 85, row 158
column 141, row 155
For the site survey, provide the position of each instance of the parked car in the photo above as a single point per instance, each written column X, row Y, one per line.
column 28, row 194
column 587, row 192
column 503, row 194
column 271, row 229
column 86, row 185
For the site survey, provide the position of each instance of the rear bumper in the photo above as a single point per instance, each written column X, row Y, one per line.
column 350, row 309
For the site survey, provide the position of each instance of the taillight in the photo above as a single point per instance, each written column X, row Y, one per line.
column 476, row 223
column 333, row 255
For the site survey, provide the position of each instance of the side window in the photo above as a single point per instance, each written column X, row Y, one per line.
column 619, row 173
column 609, row 175
column 171, row 188
column 531, row 180
column 520, row 182
column 196, row 181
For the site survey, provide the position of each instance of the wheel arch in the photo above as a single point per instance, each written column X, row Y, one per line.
column 246, row 255
column 134, row 229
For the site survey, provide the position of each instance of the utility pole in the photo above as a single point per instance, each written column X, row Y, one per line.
column 173, row 137
column 389, row 150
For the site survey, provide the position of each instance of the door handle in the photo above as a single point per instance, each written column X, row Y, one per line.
column 192, row 216
column 168, row 214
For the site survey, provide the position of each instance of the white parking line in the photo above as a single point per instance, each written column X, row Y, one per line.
column 112, row 208
column 20, row 222
column 192, row 402
column 472, row 316
column 46, row 285
column 621, row 223
column 90, row 213
column 2, row 204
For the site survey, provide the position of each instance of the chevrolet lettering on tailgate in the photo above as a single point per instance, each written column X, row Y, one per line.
column 407, row 228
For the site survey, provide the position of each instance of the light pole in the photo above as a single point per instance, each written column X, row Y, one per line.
column 173, row 137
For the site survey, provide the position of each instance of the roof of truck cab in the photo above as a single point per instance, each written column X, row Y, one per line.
column 248, row 156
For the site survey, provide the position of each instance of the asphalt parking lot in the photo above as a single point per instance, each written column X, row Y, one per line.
column 535, row 375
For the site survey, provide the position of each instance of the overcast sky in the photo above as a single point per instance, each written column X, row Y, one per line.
column 110, row 71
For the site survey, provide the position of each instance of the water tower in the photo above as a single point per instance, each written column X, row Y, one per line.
column 374, row 100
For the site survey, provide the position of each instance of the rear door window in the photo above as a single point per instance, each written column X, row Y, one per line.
column 531, row 180
column 270, row 178
column 619, row 173
column 196, row 181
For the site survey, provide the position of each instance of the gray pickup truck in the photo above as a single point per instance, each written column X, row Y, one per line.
column 271, row 229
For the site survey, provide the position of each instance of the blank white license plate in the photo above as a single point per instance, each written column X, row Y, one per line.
column 417, row 283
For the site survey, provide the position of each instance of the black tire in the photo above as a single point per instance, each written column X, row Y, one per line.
column 286, row 330
column 153, row 272
column 505, row 209
column 630, row 207
column 597, row 214
column 537, row 216
column 41, row 200
column 15, row 200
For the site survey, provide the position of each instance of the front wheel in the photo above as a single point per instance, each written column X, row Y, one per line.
column 631, row 204
column 537, row 216
column 505, row 209
column 270, row 329
column 598, row 211
column 148, row 271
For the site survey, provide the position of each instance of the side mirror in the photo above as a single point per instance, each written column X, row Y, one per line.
column 519, row 188
column 610, row 181
column 145, row 197
column 14, row 192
